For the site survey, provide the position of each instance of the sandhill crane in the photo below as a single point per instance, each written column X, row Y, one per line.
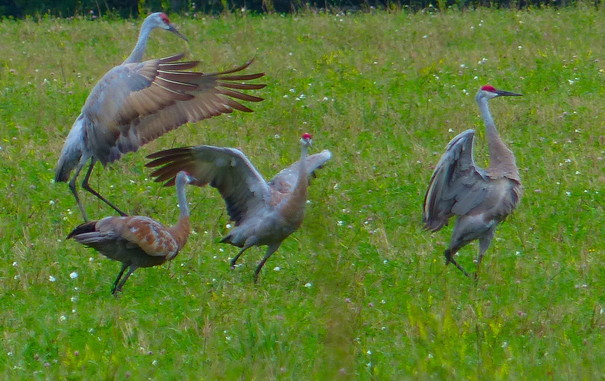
column 136, row 102
column 264, row 213
column 481, row 198
column 137, row 241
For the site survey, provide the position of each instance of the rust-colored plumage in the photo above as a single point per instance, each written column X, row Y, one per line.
column 265, row 213
column 137, row 241
column 136, row 102
column 479, row 198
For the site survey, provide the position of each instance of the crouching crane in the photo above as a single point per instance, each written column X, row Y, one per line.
column 265, row 213
column 137, row 241
column 480, row 198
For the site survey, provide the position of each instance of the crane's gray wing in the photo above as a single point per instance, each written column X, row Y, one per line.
column 130, row 90
column 457, row 184
column 285, row 180
column 227, row 169
column 138, row 102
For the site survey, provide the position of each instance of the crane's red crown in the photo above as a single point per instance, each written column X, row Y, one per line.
column 164, row 18
column 307, row 136
column 489, row 88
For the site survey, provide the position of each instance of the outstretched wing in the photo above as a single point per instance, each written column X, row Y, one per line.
column 285, row 180
column 227, row 169
column 136, row 103
column 457, row 184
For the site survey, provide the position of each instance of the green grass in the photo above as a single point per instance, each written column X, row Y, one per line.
column 385, row 93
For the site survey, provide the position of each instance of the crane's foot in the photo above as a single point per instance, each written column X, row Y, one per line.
column 256, row 273
column 116, row 291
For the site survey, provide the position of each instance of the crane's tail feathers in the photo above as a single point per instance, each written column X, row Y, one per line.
column 86, row 227
column 227, row 239
column 62, row 173
column 433, row 226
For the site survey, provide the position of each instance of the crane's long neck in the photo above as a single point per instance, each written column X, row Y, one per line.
column 502, row 160
column 181, row 230
column 139, row 48
column 294, row 208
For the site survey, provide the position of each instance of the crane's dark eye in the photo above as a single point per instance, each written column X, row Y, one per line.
column 165, row 18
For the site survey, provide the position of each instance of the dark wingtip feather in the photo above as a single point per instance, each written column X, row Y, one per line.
column 86, row 227
column 166, row 152
column 61, row 177
column 172, row 58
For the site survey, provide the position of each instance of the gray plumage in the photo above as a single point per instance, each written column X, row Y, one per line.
column 136, row 102
column 480, row 198
column 265, row 213
column 137, row 241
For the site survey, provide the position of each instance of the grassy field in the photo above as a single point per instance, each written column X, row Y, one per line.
column 360, row 291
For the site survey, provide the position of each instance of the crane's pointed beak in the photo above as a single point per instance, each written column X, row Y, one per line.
column 172, row 29
column 308, row 142
column 503, row 93
column 191, row 179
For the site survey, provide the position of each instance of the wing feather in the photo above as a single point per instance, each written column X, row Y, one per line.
column 228, row 170
column 457, row 184
column 286, row 179
column 107, row 234
column 135, row 103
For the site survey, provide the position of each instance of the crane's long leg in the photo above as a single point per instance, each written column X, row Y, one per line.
column 74, row 191
column 118, row 288
column 115, row 283
column 484, row 242
column 466, row 230
column 449, row 258
column 234, row 259
column 270, row 250
column 86, row 186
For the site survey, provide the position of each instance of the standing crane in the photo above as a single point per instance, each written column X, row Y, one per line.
column 481, row 198
column 265, row 213
column 137, row 241
column 136, row 102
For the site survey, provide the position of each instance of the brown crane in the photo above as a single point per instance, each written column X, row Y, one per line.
column 480, row 198
column 136, row 102
column 265, row 213
column 137, row 241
